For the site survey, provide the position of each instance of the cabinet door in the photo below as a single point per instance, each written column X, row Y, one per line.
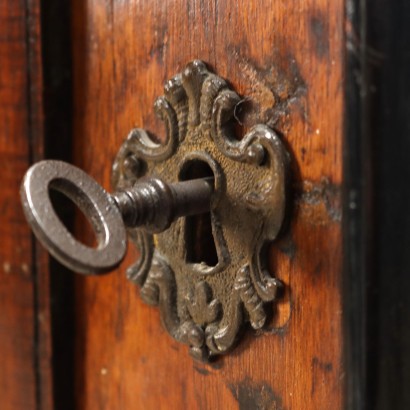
column 287, row 61
column 331, row 78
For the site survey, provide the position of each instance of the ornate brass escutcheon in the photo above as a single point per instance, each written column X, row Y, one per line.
column 201, row 208
column 206, row 273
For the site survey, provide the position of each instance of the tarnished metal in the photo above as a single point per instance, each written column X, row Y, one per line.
column 154, row 204
column 96, row 205
column 151, row 203
column 206, row 273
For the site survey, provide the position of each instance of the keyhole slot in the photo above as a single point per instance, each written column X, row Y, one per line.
column 199, row 240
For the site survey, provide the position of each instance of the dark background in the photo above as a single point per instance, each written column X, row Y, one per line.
column 377, row 199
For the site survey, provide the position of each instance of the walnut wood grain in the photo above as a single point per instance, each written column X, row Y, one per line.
column 25, row 372
column 287, row 59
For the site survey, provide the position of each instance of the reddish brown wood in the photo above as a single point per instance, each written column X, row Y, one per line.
column 288, row 59
column 25, row 381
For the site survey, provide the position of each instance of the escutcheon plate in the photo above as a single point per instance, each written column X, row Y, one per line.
column 206, row 273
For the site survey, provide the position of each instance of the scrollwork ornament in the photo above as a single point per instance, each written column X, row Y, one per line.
column 203, row 303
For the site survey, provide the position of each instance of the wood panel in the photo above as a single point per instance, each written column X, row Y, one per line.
column 25, row 381
column 288, row 60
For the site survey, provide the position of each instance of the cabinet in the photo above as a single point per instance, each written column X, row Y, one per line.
column 75, row 78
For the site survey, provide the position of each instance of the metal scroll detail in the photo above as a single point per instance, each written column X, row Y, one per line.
column 205, row 297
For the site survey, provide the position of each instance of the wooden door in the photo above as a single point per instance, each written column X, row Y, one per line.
column 288, row 61
column 77, row 76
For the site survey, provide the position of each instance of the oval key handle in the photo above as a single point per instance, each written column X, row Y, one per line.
column 151, row 203
column 96, row 204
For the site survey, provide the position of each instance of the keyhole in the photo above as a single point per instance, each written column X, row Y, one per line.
column 199, row 239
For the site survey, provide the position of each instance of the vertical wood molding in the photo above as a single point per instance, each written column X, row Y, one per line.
column 377, row 200
column 25, row 378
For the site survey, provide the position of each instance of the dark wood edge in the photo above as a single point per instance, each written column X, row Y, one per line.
column 57, row 78
column 376, row 203
column 357, row 188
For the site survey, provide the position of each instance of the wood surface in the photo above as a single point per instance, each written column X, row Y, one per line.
column 25, row 370
column 287, row 59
